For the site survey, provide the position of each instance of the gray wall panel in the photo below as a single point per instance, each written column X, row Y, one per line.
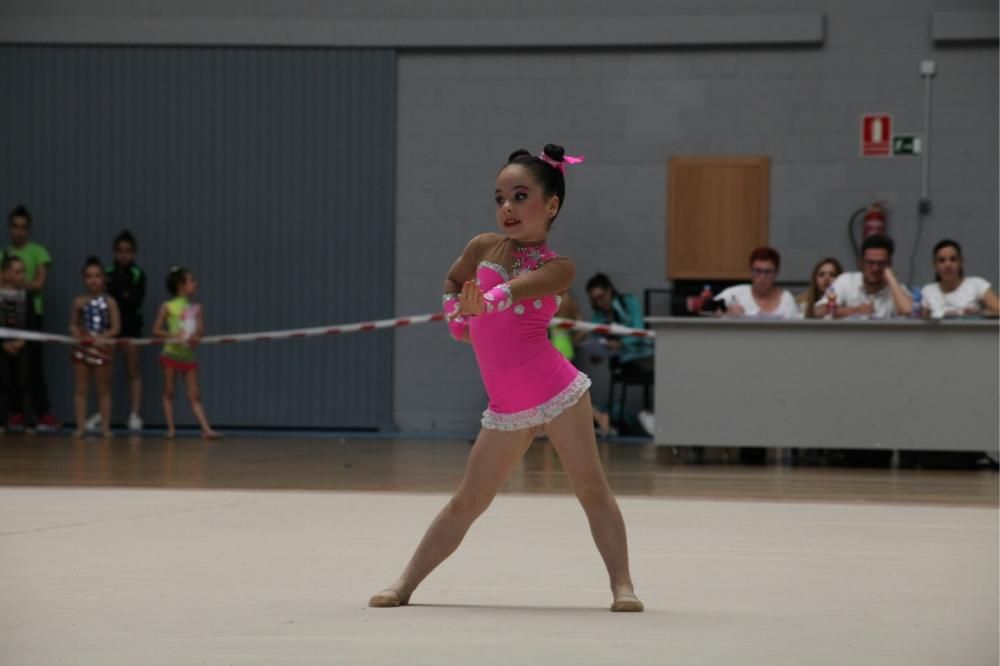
column 958, row 27
column 437, row 33
column 628, row 111
column 266, row 171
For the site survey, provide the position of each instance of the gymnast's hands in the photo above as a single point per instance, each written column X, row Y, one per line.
column 470, row 300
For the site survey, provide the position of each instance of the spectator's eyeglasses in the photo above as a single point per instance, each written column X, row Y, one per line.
column 873, row 263
column 763, row 272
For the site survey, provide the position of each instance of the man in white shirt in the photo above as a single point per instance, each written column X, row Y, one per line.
column 874, row 291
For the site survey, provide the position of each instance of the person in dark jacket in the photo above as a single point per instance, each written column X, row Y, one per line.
column 17, row 373
column 126, row 283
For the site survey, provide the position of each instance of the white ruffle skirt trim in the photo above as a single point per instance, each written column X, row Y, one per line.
column 543, row 413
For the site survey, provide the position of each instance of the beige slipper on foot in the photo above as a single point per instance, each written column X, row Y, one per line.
column 627, row 605
column 386, row 599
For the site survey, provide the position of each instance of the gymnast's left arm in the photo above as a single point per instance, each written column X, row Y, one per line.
column 553, row 278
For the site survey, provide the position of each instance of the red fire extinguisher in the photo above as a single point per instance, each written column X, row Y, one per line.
column 875, row 223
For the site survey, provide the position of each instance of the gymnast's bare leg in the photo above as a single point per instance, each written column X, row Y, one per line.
column 572, row 436
column 492, row 459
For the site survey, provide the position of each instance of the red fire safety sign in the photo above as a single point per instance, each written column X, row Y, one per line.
column 876, row 135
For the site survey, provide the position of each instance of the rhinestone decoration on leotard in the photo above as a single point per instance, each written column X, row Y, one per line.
column 456, row 314
column 97, row 315
column 541, row 414
column 505, row 301
column 527, row 259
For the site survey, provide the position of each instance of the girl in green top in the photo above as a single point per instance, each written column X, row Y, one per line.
column 179, row 322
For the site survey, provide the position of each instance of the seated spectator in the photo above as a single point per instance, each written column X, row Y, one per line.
column 630, row 356
column 612, row 307
column 760, row 298
column 952, row 294
column 823, row 275
column 874, row 291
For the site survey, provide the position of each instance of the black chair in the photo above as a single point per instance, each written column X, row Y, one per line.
column 624, row 375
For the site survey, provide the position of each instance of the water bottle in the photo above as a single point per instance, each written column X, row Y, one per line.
column 918, row 311
column 831, row 303
column 706, row 298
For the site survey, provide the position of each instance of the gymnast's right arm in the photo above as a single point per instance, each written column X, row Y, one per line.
column 463, row 270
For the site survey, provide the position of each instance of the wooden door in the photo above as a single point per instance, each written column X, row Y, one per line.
column 717, row 213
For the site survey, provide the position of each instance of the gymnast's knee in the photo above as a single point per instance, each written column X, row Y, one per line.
column 469, row 503
column 593, row 493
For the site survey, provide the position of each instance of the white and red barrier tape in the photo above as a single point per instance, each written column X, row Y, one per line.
column 358, row 327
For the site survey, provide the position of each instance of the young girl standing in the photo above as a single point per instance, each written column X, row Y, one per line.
column 95, row 321
column 500, row 295
column 180, row 323
column 16, row 371
column 127, row 283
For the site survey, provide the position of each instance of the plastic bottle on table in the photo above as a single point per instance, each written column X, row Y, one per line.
column 918, row 311
column 831, row 303
column 706, row 298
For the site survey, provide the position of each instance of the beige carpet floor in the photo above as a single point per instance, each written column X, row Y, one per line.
column 150, row 577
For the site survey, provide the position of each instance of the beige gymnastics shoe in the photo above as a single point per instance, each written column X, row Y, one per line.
column 387, row 599
column 627, row 603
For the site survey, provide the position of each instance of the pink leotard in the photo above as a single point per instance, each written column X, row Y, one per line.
column 528, row 381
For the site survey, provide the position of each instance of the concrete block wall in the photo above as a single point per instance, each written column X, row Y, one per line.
column 628, row 111
column 462, row 110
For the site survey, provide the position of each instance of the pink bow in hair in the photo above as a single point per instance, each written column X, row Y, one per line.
column 567, row 159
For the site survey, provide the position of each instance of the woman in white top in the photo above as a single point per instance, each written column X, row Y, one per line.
column 953, row 294
column 761, row 298
column 824, row 273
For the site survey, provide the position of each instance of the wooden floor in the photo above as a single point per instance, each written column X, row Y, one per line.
column 334, row 463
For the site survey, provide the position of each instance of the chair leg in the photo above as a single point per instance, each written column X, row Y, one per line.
column 621, row 410
column 611, row 402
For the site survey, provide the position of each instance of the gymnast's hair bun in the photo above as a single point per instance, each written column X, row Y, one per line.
column 554, row 152
column 521, row 152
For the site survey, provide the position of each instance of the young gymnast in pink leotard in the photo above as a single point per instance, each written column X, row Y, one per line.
column 500, row 295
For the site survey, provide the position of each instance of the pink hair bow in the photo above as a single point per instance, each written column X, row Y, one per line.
column 567, row 159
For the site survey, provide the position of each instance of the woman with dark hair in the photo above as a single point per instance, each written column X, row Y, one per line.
column 761, row 298
column 824, row 273
column 633, row 356
column 500, row 296
column 952, row 294
column 612, row 307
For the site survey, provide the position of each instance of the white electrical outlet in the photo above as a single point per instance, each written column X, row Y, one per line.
column 928, row 68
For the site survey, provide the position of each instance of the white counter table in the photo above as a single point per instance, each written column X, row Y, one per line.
column 897, row 384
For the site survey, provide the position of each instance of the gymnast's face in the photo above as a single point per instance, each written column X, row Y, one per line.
column 124, row 253
column 524, row 213
column 189, row 287
column 93, row 279
column 14, row 275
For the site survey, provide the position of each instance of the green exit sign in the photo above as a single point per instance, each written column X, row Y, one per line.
column 903, row 144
